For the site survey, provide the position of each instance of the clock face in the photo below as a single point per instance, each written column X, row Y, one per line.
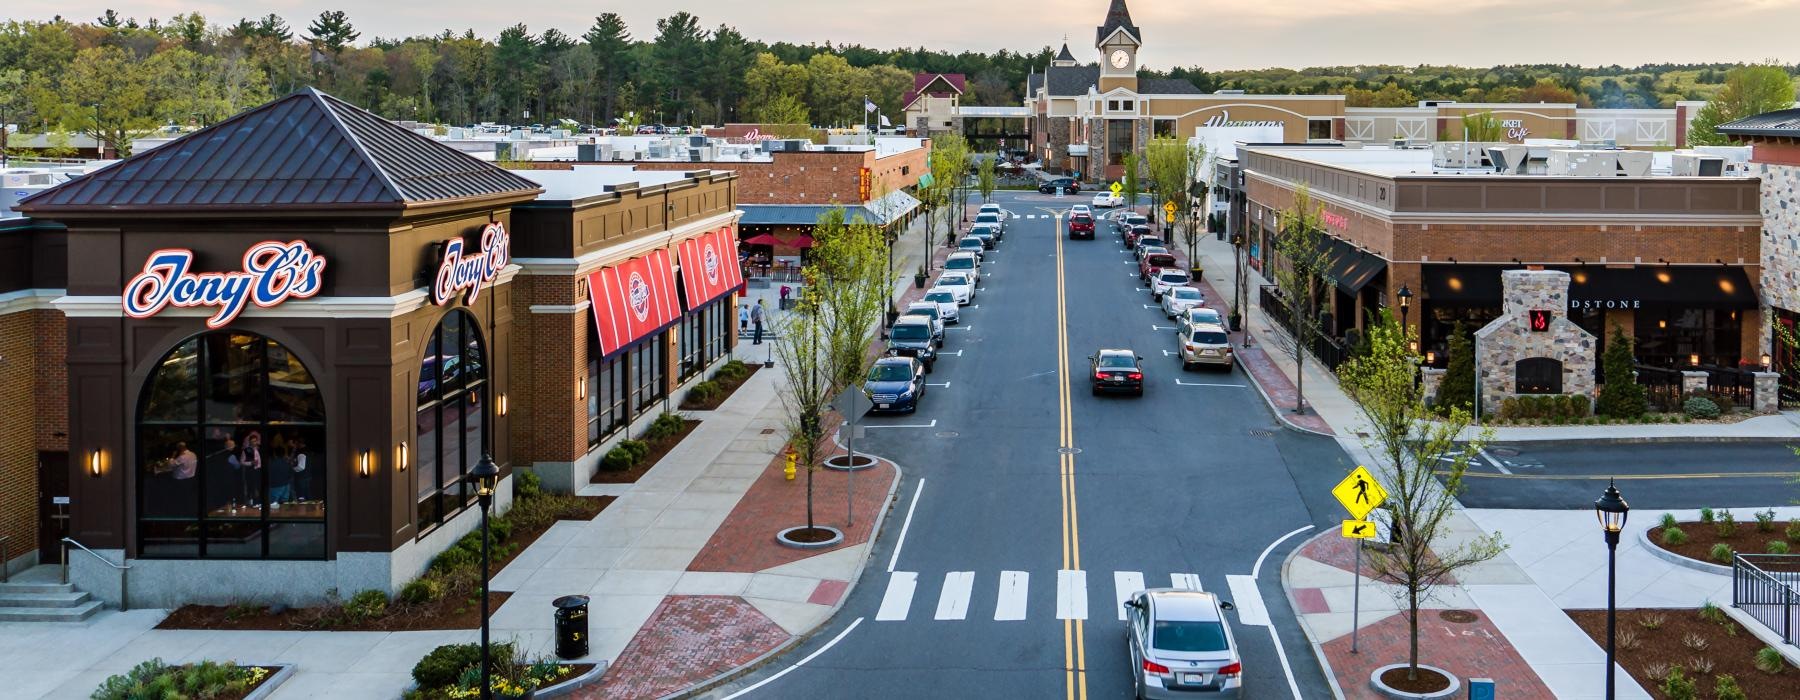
column 1120, row 59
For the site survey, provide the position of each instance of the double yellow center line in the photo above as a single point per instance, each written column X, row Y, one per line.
column 1074, row 650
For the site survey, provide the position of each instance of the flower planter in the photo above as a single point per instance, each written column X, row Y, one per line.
column 918, row 281
column 785, row 537
column 1387, row 691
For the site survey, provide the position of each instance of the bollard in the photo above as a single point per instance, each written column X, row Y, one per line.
column 571, row 626
column 1481, row 689
column 790, row 470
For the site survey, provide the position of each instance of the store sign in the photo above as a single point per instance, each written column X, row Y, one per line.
column 709, row 268
column 1337, row 221
column 633, row 299
column 865, row 184
column 457, row 272
column 1580, row 304
column 1515, row 129
column 273, row 273
column 1223, row 118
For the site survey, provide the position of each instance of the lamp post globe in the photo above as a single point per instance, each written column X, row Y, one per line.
column 1405, row 296
column 1611, row 510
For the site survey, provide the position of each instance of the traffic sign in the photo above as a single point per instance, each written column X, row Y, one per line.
column 853, row 402
column 1359, row 493
column 1117, row 188
column 1358, row 529
column 1169, row 208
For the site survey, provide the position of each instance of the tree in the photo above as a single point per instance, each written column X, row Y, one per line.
column 1301, row 278
column 1174, row 165
column 128, row 107
column 1411, row 452
column 610, row 44
column 1131, row 182
column 515, row 66
column 728, row 58
column 1620, row 396
column 679, row 65
column 949, row 162
column 328, row 36
column 1457, row 391
column 110, row 20
column 984, row 178
column 1748, row 91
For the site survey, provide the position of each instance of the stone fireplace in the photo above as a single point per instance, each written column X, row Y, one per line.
column 1533, row 347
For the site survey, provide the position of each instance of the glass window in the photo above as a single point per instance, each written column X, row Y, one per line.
column 1188, row 636
column 1318, row 128
column 1116, row 361
column 231, row 431
column 1210, row 338
column 1162, row 128
column 451, row 418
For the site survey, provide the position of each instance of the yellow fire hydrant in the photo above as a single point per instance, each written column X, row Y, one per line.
column 790, row 470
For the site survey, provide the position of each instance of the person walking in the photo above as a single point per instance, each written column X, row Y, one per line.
column 743, row 318
column 756, row 319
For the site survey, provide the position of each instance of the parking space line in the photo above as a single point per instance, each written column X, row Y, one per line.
column 960, row 327
column 906, row 525
column 1155, row 327
column 1125, row 583
column 899, row 596
column 1233, row 386
column 942, row 353
column 946, row 385
column 1011, row 603
column 1071, row 595
column 1490, row 460
column 953, row 602
column 932, row 424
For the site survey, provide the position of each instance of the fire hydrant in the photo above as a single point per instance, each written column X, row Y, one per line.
column 789, row 470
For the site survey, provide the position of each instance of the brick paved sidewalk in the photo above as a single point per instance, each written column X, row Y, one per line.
column 1274, row 384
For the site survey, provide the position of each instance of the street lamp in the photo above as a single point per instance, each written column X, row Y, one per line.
column 1611, row 510
column 485, row 474
column 1405, row 295
column 1766, row 362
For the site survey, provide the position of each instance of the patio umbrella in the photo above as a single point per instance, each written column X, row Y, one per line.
column 803, row 242
column 762, row 239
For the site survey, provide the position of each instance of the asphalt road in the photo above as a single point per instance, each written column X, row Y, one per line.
column 1186, row 480
column 1650, row 475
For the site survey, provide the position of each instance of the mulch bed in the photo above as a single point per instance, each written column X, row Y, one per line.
column 1702, row 537
column 658, row 448
column 727, row 388
column 1423, row 681
column 446, row 613
column 1730, row 655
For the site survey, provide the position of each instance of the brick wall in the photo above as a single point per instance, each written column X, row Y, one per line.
column 549, row 422
column 812, row 178
column 18, row 439
column 52, row 390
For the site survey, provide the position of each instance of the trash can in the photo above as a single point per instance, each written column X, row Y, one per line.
column 571, row 626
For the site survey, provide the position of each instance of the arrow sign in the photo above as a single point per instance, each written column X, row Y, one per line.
column 1358, row 529
column 1359, row 493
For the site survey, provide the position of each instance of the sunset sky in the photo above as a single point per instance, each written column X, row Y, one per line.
column 1214, row 34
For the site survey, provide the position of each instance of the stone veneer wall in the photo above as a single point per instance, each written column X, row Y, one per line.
column 1780, row 241
column 1508, row 339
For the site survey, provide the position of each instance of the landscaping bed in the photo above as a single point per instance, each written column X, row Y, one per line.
column 207, row 679
column 710, row 394
column 1697, row 647
column 445, row 598
column 632, row 459
column 1701, row 540
column 453, row 672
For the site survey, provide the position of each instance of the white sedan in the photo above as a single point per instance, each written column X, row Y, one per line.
column 946, row 301
column 959, row 284
column 1177, row 300
column 1108, row 200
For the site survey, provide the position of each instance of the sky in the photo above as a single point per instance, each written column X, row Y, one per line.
column 1213, row 33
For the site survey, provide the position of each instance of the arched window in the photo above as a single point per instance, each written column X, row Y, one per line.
column 453, row 383
column 231, row 453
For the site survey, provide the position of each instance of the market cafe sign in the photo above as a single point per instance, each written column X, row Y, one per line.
column 467, row 273
column 1223, row 118
column 273, row 273
column 1515, row 129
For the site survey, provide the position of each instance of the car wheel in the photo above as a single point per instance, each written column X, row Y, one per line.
column 928, row 368
column 1140, row 391
column 1096, row 391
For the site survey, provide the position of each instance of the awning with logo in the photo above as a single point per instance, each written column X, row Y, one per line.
column 633, row 299
column 1595, row 287
column 709, row 266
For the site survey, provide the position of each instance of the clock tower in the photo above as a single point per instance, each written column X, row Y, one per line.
column 1118, row 41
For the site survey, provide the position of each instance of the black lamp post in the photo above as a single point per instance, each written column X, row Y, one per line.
column 1611, row 510
column 1405, row 295
column 485, row 474
column 1237, row 287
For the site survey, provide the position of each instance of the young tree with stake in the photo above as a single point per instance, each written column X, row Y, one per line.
column 1302, row 279
column 1173, row 168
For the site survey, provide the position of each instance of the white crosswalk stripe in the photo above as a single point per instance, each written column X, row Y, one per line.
column 953, row 602
column 1011, row 602
column 1071, row 595
column 899, row 596
column 1012, row 595
column 1125, row 583
column 1187, row 581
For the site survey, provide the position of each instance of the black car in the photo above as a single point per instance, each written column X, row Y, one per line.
column 1064, row 184
column 912, row 336
column 1116, row 370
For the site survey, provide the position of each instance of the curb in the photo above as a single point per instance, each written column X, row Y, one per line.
column 1643, row 538
column 1277, row 410
column 733, row 674
column 274, row 682
column 1648, row 440
column 1286, row 590
column 573, row 684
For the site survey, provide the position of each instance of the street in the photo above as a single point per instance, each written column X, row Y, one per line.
column 1008, row 581
column 1655, row 475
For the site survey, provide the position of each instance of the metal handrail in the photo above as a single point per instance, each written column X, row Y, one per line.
column 124, row 590
column 5, row 556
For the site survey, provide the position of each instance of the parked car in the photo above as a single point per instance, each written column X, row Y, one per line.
column 1135, row 233
column 929, row 310
column 1108, row 200
column 994, row 219
column 989, row 235
column 1199, row 316
column 1059, row 184
column 895, row 384
column 992, row 208
column 1181, row 645
column 1145, row 243
column 1145, row 252
column 972, row 245
column 1080, row 209
column 1165, row 279
column 946, row 301
column 1131, row 220
column 1205, row 345
column 1081, row 226
column 962, row 284
column 1116, row 370
column 1178, row 300
column 1153, row 262
column 911, row 337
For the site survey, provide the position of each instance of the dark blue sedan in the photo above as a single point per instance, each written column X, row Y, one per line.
column 895, row 385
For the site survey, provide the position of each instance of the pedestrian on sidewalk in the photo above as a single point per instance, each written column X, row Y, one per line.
column 743, row 318
column 756, row 318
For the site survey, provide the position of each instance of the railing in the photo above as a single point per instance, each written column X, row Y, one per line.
column 1328, row 350
column 1767, row 588
column 1735, row 385
column 123, row 569
column 1662, row 387
column 5, row 560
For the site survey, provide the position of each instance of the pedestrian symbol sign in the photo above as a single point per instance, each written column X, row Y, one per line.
column 1169, row 208
column 1116, row 188
column 1359, row 493
column 1358, row 529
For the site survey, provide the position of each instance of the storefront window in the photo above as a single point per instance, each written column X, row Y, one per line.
column 608, row 386
column 1670, row 337
column 231, row 436
column 452, row 409
column 648, row 371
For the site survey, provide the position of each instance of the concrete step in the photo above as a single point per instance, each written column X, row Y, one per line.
column 24, row 588
column 68, row 599
column 74, row 614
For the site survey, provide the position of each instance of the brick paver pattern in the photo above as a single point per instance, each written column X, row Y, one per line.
column 686, row 641
column 1280, row 389
column 1469, row 650
column 1338, row 552
column 746, row 541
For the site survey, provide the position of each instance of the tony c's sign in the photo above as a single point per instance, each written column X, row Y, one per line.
column 273, row 273
column 458, row 272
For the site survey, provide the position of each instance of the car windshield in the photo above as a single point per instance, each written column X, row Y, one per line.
column 988, row 217
column 953, row 279
column 1160, row 259
column 1209, row 338
column 1185, row 293
column 1117, row 362
column 1188, row 636
column 959, row 264
column 1174, row 277
column 923, row 310
column 1149, row 241
column 911, row 331
column 970, row 242
column 941, row 297
column 890, row 372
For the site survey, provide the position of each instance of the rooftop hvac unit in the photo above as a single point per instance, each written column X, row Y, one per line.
column 1634, row 163
column 588, row 152
column 627, row 155
column 699, row 141
column 1509, row 159
column 1578, row 163
column 27, row 178
column 1696, row 165
column 10, row 196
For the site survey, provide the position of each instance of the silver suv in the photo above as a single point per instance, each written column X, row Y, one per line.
column 1205, row 344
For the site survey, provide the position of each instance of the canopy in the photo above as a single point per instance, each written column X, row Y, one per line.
column 762, row 239
column 802, row 242
column 633, row 299
column 709, row 266
column 1596, row 287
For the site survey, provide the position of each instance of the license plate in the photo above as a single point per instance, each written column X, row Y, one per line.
column 1209, row 352
column 883, row 405
column 1117, row 379
column 1194, row 678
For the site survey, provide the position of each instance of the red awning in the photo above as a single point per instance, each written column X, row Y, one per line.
column 633, row 299
column 709, row 266
column 802, row 242
column 762, row 239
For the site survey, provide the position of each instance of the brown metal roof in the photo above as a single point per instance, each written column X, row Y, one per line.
column 1780, row 123
column 307, row 150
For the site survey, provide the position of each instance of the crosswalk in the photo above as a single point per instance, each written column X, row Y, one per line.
column 1010, row 590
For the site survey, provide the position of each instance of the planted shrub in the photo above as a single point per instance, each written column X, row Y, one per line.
column 445, row 664
column 665, row 426
column 1669, row 521
column 1793, row 530
column 1674, row 536
column 1778, row 547
column 638, row 449
column 366, row 605
column 1722, row 553
column 1768, row 660
column 526, row 484
column 1700, row 408
column 703, row 392
column 1656, row 669
column 1726, row 688
column 1677, row 686
column 1711, row 612
column 1694, row 641
column 1628, row 639
column 1765, row 520
column 1701, row 665
column 618, row 459
column 1652, row 621
column 155, row 679
column 1706, row 515
column 420, row 591
column 1727, row 526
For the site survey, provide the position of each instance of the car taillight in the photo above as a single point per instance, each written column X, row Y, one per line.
column 1136, row 375
column 1232, row 669
column 1153, row 667
column 1099, row 375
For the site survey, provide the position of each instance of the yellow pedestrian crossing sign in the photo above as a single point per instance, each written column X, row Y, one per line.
column 1116, row 188
column 1169, row 208
column 1359, row 493
column 1358, row 529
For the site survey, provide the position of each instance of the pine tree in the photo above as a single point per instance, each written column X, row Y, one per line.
column 1458, row 388
column 1621, row 396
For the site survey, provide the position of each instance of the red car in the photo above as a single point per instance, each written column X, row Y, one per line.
column 1153, row 263
column 1134, row 233
column 1081, row 226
